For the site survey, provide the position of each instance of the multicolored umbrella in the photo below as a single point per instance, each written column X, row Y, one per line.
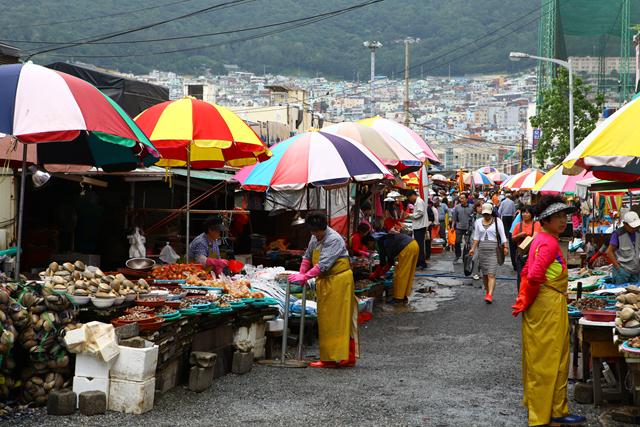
column 611, row 151
column 405, row 136
column 498, row 177
column 554, row 182
column 487, row 170
column 71, row 121
column 524, row 180
column 314, row 158
column 477, row 179
column 200, row 133
column 386, row 148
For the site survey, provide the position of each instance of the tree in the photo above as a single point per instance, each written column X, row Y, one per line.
column 553, row 117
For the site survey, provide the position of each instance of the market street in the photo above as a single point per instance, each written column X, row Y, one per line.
column 456, row 365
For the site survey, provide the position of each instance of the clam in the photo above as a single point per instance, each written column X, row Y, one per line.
column 98, row 273
column 627, row 314
column 103, row 295
column 633, row 323
column 143, row 283
column 79, row 265
column 634, row 289
column 630, row 298
column 127, row 284
column 68, row 266
column 93, row 289
column 54, row 266
column 104, row 287
column 88, row 275
column 121, row 277
column 81, row 292
column 57, row 280
column 62, row 273
column 60, row 287
column 76, row 275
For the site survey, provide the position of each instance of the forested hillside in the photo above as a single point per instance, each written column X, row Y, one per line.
column 461, row 34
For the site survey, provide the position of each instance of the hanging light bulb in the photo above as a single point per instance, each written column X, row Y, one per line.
column 38, row 177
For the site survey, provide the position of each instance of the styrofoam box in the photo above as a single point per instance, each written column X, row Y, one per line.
column 131, row 397
column 88, row 365
column 275, row 325
column 259, row 348
column 81, row 384
column 136, row 364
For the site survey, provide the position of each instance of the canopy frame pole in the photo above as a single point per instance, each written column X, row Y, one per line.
column 23, row 180
column 285, row 327
column 348, row 211
column 302, row 321
column 186, row 255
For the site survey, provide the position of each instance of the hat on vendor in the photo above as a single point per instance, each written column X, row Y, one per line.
column 487, row 208
column 631, row 218
column 554, row 208
column 389, row 199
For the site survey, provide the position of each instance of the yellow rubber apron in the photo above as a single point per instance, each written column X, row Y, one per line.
column 337, row 309
column 405, row 271
column 545, row 349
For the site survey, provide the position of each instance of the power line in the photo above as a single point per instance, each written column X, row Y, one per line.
column 89, row 18
column 193, row 36
column 309, row 20
column 141, row 28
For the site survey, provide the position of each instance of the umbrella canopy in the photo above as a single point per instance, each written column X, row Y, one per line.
column 314, row 158
column 405, row 136
column 554, row 182
column 209, row 135
column 487, row 170
column 498, row 177
column 73, row 122
column 411, row 180
column 478, row 178
column 386, row 148
column 611, row 151
column 524, row 180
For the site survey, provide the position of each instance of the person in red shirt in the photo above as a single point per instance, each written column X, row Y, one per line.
column 525, row 228
column 359, row 240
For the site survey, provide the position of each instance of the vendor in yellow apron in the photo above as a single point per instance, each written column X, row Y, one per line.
column 337, row 312
column 327, row 260
column 545, row 322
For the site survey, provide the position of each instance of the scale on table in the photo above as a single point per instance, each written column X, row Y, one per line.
column 283, row 362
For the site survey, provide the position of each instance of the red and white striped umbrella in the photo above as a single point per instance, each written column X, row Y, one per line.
column 524, row 180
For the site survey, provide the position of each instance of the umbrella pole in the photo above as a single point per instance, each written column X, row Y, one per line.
column 188, row 201
column 23, row 179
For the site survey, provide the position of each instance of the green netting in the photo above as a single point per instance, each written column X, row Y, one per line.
column 595, row 28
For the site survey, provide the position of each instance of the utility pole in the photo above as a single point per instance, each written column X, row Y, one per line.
column 521, row 153
column 372, row 45
column 407, row 41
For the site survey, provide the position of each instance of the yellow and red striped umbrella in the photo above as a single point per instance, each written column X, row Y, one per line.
column 214, row 135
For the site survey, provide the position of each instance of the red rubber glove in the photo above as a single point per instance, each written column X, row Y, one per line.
column 526, row 296
column 379, row 272
column 217, row 264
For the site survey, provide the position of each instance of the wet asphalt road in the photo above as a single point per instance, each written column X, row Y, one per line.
column 448, row 360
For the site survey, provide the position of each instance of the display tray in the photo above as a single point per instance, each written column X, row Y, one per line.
column 599, row 315
column 626, row 347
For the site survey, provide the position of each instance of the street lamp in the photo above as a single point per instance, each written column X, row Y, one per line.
column 516, row 56
column 372, row 45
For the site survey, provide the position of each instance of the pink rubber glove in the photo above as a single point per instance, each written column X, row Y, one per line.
column 305, row 265
column 217, row 264
column 303, row 277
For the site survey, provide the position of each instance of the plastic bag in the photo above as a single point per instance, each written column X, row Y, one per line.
column 451, row 236
column 136, row 242
column 168, row 255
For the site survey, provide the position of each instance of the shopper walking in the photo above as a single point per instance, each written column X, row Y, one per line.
column 419, row 223
column 545, row 322
column 327, row 260
column 506, row 212
column 461, row 222
column 488, row 239
column 443, row 210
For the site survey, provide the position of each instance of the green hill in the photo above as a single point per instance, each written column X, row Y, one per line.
column 451, row 34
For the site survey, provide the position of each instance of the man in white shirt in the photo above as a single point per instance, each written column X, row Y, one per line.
column 419, row 223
